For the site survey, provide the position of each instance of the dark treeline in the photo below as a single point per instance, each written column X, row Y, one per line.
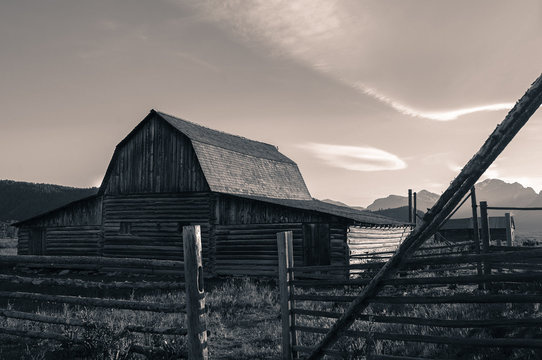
column 22, row 200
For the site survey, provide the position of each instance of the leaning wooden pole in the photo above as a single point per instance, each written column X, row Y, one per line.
column 493, row 146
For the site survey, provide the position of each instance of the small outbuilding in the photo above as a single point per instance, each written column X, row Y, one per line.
column 168, row 173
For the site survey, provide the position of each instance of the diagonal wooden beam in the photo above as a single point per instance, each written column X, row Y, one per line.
column 477, row 165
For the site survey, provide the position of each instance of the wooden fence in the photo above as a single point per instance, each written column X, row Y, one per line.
column 438, row 304
column 184, row 275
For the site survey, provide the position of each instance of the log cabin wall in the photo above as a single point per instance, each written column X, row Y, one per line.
column 154, row 158
column 245, row 233
column 150, row 225
column 72, row 230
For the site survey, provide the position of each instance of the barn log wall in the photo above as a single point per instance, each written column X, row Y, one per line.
column 71, row 230
column 362, row 240
column 246, row 235
column 153, row 225
column 251, row 249
column 154, row 158
column 22, row 240
column 338, row 246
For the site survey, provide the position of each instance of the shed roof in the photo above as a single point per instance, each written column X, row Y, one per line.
column 495, row 222
column 361, row 216
column 240, row 166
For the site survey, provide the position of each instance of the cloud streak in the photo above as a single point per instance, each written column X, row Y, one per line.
column 355, row 158
column 430, row 115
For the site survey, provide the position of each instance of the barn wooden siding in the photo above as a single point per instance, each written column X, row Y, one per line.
column 154, row 158
column 362, row 240
column 246, row 235
column 150, row 225
column 72, row 230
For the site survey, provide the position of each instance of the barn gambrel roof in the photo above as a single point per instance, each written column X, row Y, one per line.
column 240, row 166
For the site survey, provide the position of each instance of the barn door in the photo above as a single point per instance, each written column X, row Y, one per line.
column 316, row 249
column 37, row 242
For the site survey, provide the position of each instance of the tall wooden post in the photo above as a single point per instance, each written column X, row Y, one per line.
column 286, row 261
column 409, row 205
column 485, row 234
column 195, row 294
column 509, row 230
column 475, row 229
column 414, row 210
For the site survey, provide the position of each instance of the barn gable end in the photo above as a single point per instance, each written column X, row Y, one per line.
column 154, row 158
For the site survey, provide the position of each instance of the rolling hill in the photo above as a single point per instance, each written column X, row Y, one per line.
column 21, row 200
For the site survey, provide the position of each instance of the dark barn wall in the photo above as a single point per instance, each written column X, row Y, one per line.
column 150, row 225
column 72, row 230
column 155, row 158
column 245, row 235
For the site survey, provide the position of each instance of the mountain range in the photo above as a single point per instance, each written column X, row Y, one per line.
column 496, row 192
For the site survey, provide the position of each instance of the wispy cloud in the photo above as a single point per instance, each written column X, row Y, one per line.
column 356, row 158
column 431, row 115
column 325, row 36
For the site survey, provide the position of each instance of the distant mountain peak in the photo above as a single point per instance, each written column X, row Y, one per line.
column 495, row 192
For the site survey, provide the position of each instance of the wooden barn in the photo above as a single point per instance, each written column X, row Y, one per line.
column 168, row 173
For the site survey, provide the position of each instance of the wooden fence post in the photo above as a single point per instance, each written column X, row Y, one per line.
column 414, row 209
column 476, row 230
column 485, row 235
column 509, row 234
column 410, row 205
column 195, row 294
column 286, row 261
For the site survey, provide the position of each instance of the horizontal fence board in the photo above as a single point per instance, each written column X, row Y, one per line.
column 456, row 341
column 86, row 284
column 20, row 315
column 456, row 299
column 444, row 280
column 90, row 260
column 86, row 301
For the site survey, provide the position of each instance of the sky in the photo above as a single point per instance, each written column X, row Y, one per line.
column 369, row 98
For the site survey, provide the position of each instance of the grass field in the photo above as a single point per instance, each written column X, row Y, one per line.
column 243, row 320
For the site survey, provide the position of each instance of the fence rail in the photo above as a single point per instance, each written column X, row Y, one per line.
column 190, row 269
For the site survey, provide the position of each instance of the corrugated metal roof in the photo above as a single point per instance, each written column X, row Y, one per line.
column 239, row 166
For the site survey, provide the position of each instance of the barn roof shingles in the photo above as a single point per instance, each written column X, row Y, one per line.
column 239, row 166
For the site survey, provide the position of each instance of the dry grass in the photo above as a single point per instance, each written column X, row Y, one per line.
column 243, row 320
